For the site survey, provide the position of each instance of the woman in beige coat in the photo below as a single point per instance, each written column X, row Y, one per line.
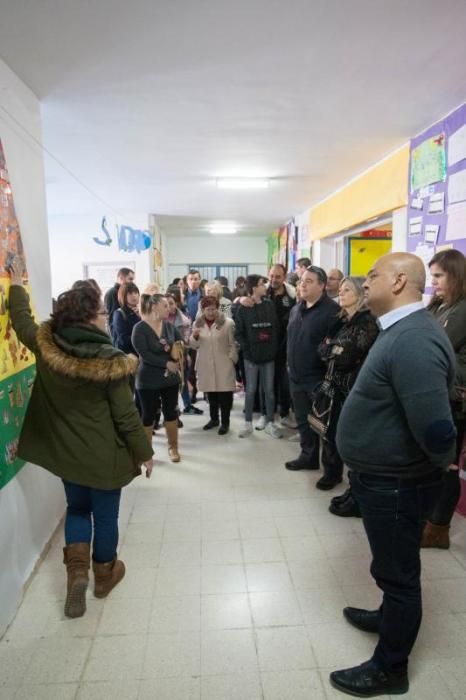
column 214, row 339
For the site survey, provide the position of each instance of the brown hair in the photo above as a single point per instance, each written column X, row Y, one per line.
column 76, row 307
column 148, row 301
column 453, row 263
column 124, row 290
column 209, row 301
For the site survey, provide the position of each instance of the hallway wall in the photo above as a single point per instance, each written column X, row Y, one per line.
column 196, row 250
column 31, row 504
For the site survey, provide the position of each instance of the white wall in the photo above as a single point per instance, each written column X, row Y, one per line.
column 400, row 230
column 72, row 246
column 196, row 250
column 31, row 504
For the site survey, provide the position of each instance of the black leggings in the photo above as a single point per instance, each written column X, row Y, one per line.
column 148, row 402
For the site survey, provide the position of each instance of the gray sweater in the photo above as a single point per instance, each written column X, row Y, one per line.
column 397, row 420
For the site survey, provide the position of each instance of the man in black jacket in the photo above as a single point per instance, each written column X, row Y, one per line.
column 257, row 334
column 111, row 297
column 310, row 322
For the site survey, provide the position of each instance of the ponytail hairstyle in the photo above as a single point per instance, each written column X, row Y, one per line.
column 148, row 301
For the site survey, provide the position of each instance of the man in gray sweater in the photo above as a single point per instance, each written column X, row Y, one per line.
column 397, row 437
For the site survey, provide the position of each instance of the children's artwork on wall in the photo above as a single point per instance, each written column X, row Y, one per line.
column 437, row 206
column 17, row 365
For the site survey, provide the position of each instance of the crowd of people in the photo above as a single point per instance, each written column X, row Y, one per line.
column 367, row 376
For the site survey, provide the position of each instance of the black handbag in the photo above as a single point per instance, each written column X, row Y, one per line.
column 320, row 418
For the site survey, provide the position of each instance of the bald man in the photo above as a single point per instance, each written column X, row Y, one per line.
column 397, row 437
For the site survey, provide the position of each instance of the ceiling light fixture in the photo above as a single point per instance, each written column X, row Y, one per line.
column 223, row 229
column 243, row 183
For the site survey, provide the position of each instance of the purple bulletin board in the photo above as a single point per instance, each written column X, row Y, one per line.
column 440, row 171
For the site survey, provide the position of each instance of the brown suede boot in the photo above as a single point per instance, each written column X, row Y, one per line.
column 436, row 536
column 171, row 428
column 77, row 559
column 106, row 576
column 148, row 431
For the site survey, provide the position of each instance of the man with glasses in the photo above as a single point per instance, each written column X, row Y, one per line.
column 310, row 322
column 334, row 279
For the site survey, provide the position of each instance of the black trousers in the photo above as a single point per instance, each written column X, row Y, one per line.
column 192, row 378
column 282, row 386
column 449, row 494
column 222, row 400
column 148, row 400
column 310, row 441
column 393, row 511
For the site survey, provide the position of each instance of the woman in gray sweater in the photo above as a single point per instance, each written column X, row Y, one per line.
column 158, row 374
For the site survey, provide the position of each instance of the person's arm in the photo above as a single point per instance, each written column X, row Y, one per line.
column 240, row 330
column 109, row 301
column 350, row 351
column 122, row 332
column 147, row 351
column 233, row 348
column 21, row 316
column 127, row 422
column 455, row 327
column 420, row 374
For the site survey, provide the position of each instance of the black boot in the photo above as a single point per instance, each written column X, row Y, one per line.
column 223, row 430
column 346, row 509
column 213, row 423
column 337, row 500
column 369, row 680
column 365, row 620
column 302, row 462
column 327, row 482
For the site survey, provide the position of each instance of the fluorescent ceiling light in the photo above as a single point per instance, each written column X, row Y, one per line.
column 223, row 229
column 243, row 183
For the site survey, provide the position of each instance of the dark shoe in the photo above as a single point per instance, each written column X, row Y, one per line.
column 435, row 536
column 365, row 620
column 179, row 422
column 223, row 430
column 347, row 509
column 368, row 680
column 211, row 424
column 301, row 462
column 336, row 500
column 325, row 483
column 193, row 411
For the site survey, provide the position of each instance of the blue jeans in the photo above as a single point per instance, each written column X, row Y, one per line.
column 84, row 505
column 393, row 511
column 265, row 373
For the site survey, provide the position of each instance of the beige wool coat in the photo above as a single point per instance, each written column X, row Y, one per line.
column 217, row 354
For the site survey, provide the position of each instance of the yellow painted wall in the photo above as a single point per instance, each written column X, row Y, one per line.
column 364, row 252
column 379, row 190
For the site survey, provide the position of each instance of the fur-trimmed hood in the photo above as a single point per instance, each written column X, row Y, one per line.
column 200, row 321
column 83, row 353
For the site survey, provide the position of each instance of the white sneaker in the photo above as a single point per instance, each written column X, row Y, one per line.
column 295, row 438
column 261, row 423
column 245, row 430
column 272, row 430
column 289, row 421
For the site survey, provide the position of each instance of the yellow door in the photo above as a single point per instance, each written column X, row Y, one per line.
column 363, row 252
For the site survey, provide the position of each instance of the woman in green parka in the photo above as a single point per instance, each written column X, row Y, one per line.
column 81, row 425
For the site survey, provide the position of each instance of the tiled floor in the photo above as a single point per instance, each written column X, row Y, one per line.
column 236, row 577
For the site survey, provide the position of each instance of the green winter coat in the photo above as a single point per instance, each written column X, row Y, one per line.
column 81, row 423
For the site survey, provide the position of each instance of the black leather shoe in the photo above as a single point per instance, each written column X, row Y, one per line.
column 347, row 509
column 337, row 500
column 325, row 483
column 368, row 680
column 223, row 430
column 211, row 424
column 301, row 463
column 365, row 620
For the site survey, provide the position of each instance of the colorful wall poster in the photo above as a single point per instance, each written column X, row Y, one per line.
column 436, row 213
column 17, row 365
column 428, row 162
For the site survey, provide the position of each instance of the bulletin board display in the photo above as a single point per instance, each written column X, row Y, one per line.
column 17, row 364
column 437, row 188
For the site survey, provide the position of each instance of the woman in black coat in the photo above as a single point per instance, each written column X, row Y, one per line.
column 126, row 317
column 346, row 347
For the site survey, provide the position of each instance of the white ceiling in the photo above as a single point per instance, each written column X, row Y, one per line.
column 148, row 101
